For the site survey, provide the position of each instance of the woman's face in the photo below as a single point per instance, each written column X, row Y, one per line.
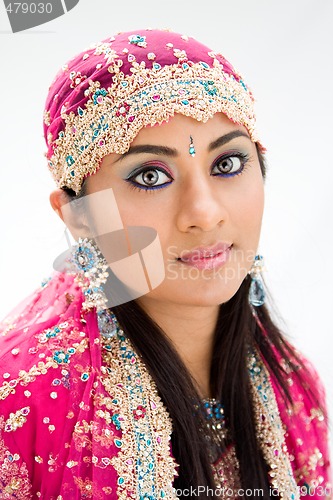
column 206, row 209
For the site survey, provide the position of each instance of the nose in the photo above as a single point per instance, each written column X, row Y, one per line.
column 201, row 204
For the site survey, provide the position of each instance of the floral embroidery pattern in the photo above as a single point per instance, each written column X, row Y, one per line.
column 138, row 40
column 76, row 78
column 17, row 419
column 14, row 477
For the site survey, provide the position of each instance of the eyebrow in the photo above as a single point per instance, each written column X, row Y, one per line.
column 149, row 148
column 227, row 138
column 167, row 151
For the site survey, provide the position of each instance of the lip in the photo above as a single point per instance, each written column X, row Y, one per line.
column 207, row 257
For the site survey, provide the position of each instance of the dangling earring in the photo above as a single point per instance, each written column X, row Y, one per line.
column 257, row 293
column 92, row 273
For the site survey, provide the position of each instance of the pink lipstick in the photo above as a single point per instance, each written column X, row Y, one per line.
column 207, row 257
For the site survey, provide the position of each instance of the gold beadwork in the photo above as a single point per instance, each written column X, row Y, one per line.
column 270, row 430
column 226, row 472
column 17, row 419
column 139, row 410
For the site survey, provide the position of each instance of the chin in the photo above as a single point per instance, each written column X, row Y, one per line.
column 211, row 297
column 199, row 294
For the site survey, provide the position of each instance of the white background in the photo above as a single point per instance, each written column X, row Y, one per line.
column 284, row 50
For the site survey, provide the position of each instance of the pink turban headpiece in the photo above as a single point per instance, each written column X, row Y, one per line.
column 101, row 99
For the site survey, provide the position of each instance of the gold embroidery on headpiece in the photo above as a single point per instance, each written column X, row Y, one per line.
column 112, row 117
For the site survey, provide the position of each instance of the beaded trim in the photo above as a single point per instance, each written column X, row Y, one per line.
column 144, row 465
column 226, row 473
column 113, row 117
column 270, row 430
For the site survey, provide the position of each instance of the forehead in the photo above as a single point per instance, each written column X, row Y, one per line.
column 181, row 127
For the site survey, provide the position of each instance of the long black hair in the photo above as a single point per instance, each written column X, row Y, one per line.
column 236, row 330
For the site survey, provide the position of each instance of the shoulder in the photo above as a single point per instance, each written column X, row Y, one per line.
column 45, row 370
column 37, row 342
column 45, row 351
column 43, row 336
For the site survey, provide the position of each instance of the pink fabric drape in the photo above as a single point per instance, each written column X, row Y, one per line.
column 57, row 436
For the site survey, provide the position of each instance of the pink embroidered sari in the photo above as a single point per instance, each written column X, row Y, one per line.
column 66, row 418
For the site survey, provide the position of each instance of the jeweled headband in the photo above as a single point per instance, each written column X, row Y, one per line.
column 101, row 99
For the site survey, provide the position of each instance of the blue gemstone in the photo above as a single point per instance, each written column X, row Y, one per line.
column 257, row 292
column 70, row 160
column 205, row 65
column 135, row 39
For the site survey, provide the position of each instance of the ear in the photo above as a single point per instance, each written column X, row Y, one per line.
column 67, row 209
column 57, row 200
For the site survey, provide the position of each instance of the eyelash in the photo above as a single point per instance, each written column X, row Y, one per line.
column 244, row 158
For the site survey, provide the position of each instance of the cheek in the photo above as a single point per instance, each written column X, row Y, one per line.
column 138, row 214
column 249, row 209
column 143, row 209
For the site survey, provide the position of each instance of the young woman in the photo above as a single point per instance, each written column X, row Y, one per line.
column 148, row 366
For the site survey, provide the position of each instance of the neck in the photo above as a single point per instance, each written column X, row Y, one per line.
column 191, row 330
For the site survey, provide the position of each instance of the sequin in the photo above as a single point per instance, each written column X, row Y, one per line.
column 138, row 40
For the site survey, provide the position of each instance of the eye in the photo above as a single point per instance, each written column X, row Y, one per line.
column 149, row 178
column 231, row 164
